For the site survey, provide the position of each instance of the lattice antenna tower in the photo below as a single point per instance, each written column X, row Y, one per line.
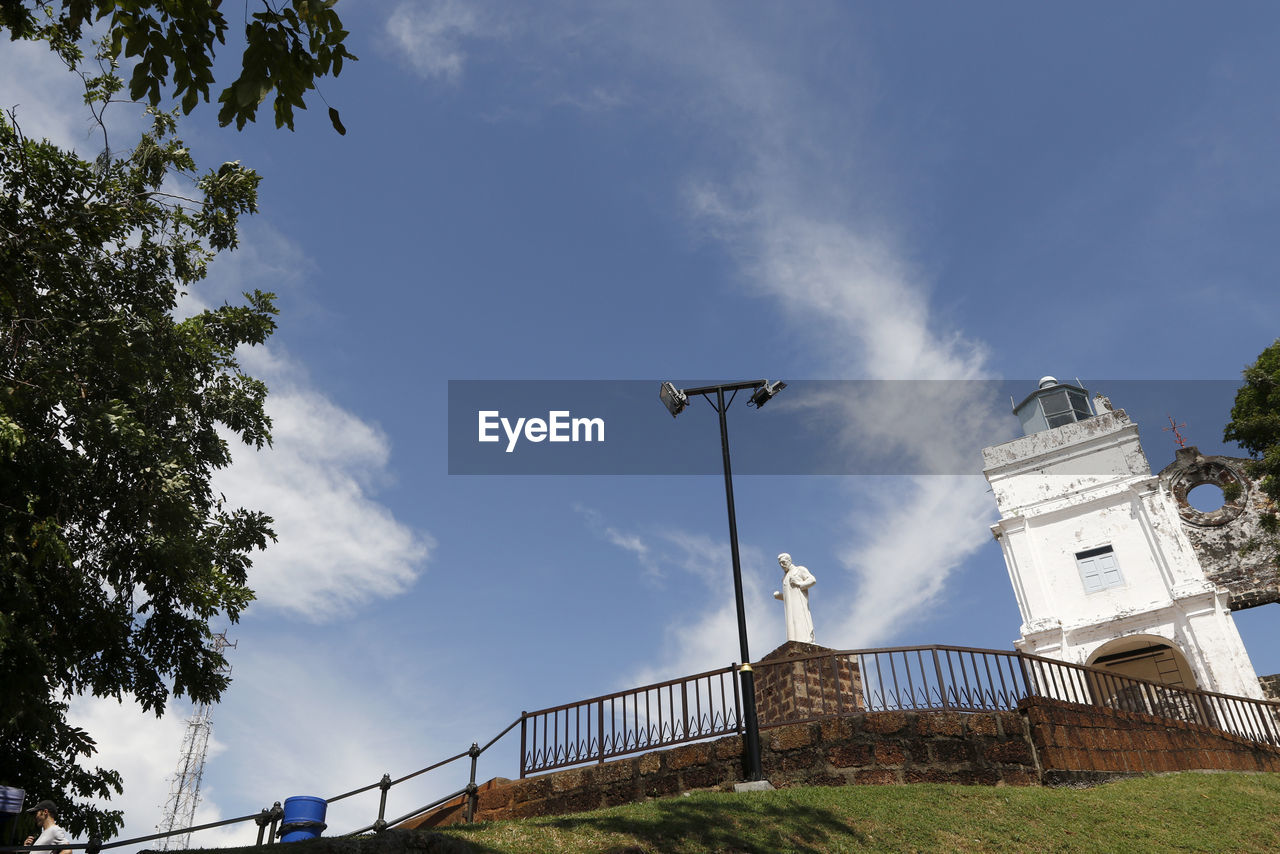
column 184, row 790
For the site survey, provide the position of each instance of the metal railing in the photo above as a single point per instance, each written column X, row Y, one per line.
column 659, row 715
column 269, row 819
column 836, row 683
column 825, row 685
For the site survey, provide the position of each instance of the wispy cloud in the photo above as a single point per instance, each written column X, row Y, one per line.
column 637, row 545
column 704, row 635
column 432, row 35
column 776, row 197
column 843, row 280
column 710, row 639
column 594, row 99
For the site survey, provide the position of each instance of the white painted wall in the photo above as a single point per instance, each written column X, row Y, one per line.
column 1087, row 485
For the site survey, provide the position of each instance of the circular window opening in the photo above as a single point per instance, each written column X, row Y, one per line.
column 1206, row 497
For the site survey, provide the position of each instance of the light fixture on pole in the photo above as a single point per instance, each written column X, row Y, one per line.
column 675, row 400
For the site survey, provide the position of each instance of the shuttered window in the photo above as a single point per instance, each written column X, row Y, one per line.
column 1099, row 570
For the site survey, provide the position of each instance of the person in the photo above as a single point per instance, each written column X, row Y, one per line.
column 50, row 834
column 796, row 581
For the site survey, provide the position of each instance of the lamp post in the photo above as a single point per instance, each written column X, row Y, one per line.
column 676, row 400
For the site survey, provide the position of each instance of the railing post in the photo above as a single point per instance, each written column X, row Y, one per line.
column 385, row 785
column 942, row 685
column 472, row 789
column 277, row 813
column 524, row 743
column 684, row 708
column 263, row 819
column 1268, row 720
column 1026, row 677
column 737, row 698
column 600, row 731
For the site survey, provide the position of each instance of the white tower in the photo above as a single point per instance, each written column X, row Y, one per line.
column 184, row 791
column 1102, row 569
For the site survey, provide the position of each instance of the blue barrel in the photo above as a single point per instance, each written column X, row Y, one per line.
column 303, row 818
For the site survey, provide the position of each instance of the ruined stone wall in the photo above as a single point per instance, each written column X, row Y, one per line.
column 1270, row 686
column 1251, row 578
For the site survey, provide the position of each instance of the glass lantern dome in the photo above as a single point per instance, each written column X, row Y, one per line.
column 1052, row 405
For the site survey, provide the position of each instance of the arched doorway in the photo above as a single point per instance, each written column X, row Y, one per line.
column 1150, row 658
column 1147, row 657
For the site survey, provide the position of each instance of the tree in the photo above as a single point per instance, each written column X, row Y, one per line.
column 285, row 49
column 115, row 553
column 1255, row 426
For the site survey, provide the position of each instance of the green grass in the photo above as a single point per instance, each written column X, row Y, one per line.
column 1176, row 812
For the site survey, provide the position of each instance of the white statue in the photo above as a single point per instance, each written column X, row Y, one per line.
column 796, row 581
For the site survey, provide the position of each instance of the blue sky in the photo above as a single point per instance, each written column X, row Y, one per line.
column 685, row 191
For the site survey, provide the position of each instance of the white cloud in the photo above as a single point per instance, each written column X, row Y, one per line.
column 900, row 573
column 46, row 98
column 865, row 315
column 431, row 35
column 337, row 547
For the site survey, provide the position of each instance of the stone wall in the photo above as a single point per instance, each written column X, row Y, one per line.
column 1270, row 686
column 878, row 747
column 1251, row 577
column 788, row 689
column 1042, row 742
column 1074, row 741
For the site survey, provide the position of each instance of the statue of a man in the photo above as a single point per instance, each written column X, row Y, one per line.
column 796, row 581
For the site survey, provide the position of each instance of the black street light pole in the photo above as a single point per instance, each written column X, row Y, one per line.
column 676, row 400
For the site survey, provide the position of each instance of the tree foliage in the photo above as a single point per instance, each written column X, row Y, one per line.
column 1255, row 426
column 115, row 553
column 285, row 49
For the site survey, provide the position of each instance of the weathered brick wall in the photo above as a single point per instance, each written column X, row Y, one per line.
column 1270, row 686
column 791, row 690
column 1044, row 741
column 1070, row 738
column 902, row 747
column 877, row 747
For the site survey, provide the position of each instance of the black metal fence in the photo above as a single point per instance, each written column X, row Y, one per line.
column 641, row 719
column 940, row 678
column 269, row 819
column 827, row 684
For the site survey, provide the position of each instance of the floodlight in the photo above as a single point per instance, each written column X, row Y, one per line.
column 765, row 392
column 673, row 399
